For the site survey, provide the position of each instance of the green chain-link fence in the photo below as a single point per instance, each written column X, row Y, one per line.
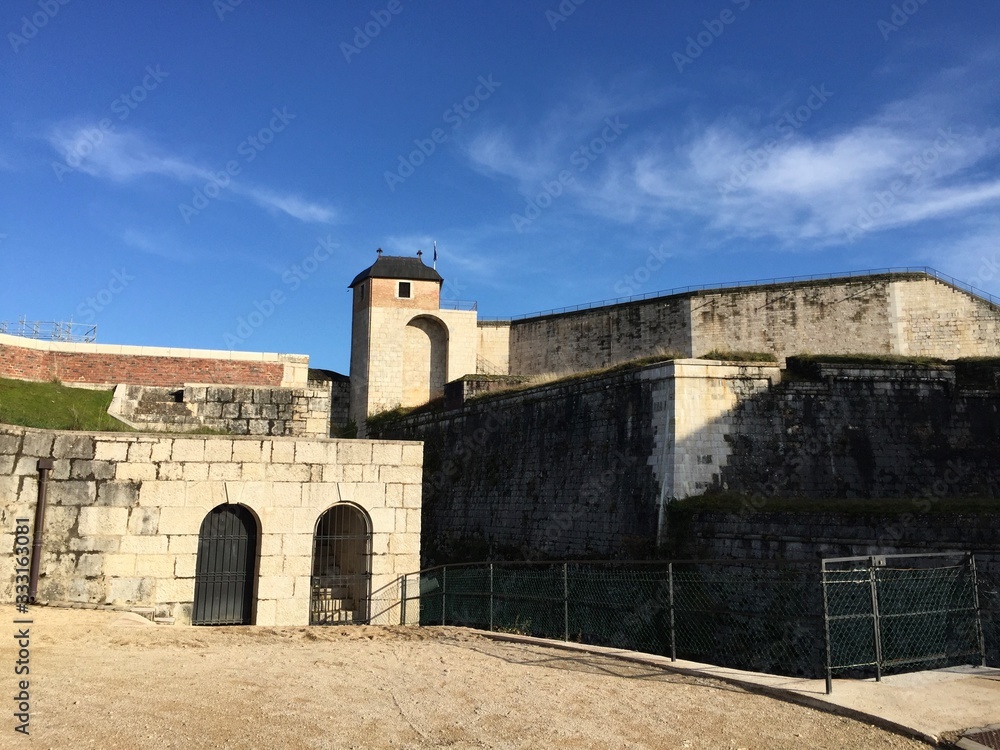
column 748, row 615
column 753, row 616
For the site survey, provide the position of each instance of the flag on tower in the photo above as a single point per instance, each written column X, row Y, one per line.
column 435, row 255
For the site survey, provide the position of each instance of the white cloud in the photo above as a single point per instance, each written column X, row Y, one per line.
column 128, row 156
column 926, row 157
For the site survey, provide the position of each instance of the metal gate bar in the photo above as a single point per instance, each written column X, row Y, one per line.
column 341, row 573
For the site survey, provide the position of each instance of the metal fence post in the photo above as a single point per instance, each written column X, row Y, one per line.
column 491, row 597
column 979, row 611
column 565, row 604
column 444, row 589
column 876, row 622
column 402, row 600
column 673, row 624
column 826, row 632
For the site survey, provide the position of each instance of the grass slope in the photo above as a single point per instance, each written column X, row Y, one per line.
column 56, row 407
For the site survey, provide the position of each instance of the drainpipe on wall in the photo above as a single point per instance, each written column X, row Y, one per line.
column 44, row 467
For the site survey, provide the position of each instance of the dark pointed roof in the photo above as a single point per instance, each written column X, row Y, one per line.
column 397, row 267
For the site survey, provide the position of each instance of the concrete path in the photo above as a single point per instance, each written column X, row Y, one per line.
column 935, row 705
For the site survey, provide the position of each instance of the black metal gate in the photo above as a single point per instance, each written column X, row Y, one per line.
column 341, row 571
column 224, row 573
column 901, row 612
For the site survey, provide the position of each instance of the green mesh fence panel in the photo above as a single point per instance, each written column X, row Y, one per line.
column 920, row 618
column 851, row 618
column 927, row 616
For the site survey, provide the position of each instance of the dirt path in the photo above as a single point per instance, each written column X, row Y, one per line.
column 100, row 680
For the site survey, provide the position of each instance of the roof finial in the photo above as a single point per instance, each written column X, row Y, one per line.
column 379, row 251
column 420, row 254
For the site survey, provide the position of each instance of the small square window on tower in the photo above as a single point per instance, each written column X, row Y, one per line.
column 403, row 291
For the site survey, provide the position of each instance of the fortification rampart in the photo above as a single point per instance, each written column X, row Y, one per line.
column 892, row 313
column 101, row 364
column 589, row 467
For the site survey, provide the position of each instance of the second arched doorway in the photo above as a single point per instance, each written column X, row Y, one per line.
column 341, row 569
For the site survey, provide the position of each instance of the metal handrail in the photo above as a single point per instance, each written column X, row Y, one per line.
column 964, row 286
column 458, row 304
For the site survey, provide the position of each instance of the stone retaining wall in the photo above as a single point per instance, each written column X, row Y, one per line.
column 125, row 512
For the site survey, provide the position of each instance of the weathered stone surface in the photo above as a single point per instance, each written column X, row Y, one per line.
column 39, row 444
column 74, row 446
column 72, row 493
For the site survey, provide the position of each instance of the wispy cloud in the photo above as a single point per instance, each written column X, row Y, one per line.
column 159, row 246
column 929, row 156
column 548, row 144
column 126, row 156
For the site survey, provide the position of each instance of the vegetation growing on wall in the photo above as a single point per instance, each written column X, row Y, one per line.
column 807, row 365
column 563, row 378
column 739, row 356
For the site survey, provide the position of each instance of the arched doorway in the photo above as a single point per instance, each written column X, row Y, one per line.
column 425, row 360
column 341, row 571
column 225, row 572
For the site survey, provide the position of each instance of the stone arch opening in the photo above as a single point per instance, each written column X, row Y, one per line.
column 342, row 567
column 226, row 567
column 425, row 360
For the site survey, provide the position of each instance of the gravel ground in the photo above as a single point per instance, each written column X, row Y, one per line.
column 105, row 680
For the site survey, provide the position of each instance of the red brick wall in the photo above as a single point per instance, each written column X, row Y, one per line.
column 111, row 369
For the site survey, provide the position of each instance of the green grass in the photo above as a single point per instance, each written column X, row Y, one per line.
column 867, row 359
column 54, row 406
column 739, row 356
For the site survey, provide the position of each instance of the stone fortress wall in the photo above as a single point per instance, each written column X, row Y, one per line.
column 894, row 313
column 591, row 466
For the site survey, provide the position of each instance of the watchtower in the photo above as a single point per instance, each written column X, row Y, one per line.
column 404, row 347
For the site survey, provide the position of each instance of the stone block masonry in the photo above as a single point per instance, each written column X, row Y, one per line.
column 589, row 467
column 909, row 313
column 99, row 364
column 125, row 512
column 272, row 412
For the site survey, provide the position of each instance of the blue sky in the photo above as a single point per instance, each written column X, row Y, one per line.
column 213, row 174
